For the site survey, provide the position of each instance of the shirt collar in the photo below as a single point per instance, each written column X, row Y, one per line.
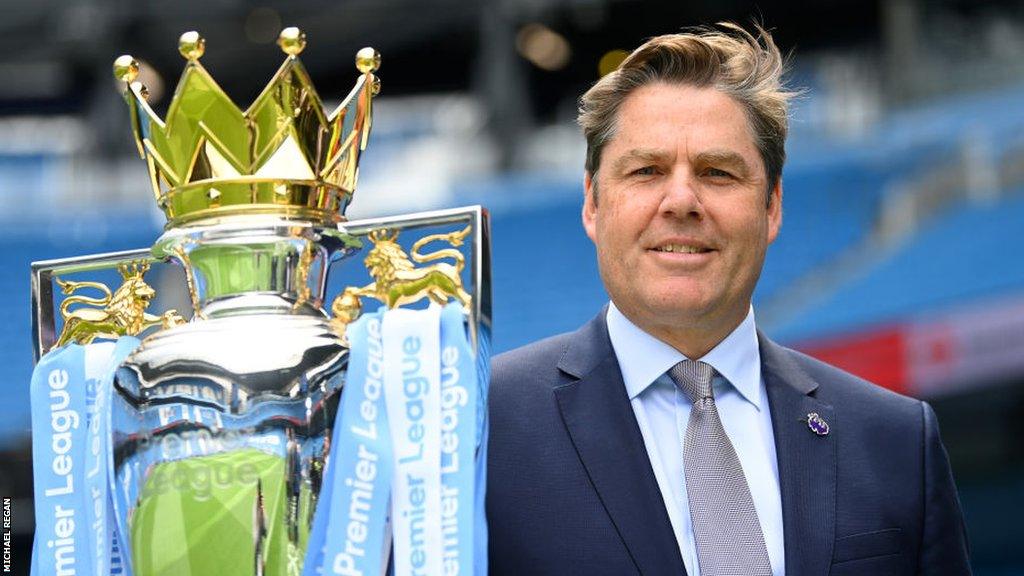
column 643, row 358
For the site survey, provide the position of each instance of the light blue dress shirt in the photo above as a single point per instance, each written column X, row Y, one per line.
column 663, row 411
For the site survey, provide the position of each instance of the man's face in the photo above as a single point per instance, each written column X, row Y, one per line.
column 681, row 222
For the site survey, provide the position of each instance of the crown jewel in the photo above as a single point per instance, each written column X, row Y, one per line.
column 283, row 155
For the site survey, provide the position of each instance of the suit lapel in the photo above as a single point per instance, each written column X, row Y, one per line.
column 603, row 428
column 807, row 462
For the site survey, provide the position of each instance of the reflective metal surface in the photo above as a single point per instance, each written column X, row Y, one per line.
column 221, row 430
column 44, row 272
column 221, row 427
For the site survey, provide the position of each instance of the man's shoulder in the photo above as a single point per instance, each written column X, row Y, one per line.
column 523, row 381
column 843, row 389
column 531, row 373
column 537, row 359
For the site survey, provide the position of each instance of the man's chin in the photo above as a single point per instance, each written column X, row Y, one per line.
column 667, row 314
column 680, row 300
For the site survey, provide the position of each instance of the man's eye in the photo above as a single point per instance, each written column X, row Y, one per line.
column 717, row 173
column 645, row 171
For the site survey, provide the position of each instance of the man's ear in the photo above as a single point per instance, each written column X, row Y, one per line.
column 775, row 211
column 589, row 206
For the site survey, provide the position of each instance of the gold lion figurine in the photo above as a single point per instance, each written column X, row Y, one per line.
column 113, row 315
column 397, row 281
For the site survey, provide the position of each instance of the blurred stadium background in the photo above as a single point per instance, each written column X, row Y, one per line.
column 900, row 257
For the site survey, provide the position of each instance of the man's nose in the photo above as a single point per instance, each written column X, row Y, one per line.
column 681, row 196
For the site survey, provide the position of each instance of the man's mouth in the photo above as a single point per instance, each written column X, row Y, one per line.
column 681, row 249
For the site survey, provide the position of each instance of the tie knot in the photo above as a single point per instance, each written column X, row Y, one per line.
column 694, row 378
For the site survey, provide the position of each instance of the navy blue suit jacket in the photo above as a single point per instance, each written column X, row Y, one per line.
column 571, row 489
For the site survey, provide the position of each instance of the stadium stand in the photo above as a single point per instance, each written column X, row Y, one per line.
column 959, row 257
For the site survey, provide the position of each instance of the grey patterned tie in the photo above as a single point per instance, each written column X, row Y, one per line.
column 725, row 525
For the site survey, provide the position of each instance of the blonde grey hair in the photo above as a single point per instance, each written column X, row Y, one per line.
column 727, row 58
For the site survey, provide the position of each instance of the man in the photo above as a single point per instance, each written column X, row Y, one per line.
column 668, row 435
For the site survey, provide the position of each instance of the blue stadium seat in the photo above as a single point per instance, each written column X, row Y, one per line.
column 967, row 254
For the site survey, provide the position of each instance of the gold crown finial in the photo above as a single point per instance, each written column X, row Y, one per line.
column 284, row 155
column 141, row 90
column 191, row 45
column 292, row 41
column 368, row 60
column 126, row 68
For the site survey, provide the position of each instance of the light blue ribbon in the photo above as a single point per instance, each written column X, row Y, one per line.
column 58, row 456
column 483, row 375
column 349, row 524
column 464, row 380
column 70, row 395
column 459, row 411
column 71, row 419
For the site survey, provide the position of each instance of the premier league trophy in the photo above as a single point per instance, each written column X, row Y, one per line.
column 272, row 433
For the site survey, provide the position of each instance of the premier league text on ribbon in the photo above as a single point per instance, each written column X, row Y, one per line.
column 453, row 397
column 363, row 484
column 415, row 386
column 413, row 397
column 96, row 473
column 74, row 536
column 62, row 421
column 405, row 431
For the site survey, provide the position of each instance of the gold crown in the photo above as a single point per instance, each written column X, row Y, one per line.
column 282, row 156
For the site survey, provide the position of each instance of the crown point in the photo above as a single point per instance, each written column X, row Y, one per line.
column 141, row 89
column 191, row 45
column 292, row 41
column 126, row 68
column 367, row 60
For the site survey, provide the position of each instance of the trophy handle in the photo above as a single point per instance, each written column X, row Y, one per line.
column 44, row 314
column 472, row 226
column 132, row 264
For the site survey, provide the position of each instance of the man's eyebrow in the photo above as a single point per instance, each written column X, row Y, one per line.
column 723, row 157
column 638, row 154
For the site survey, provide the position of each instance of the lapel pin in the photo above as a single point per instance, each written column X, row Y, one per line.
column 817, row 424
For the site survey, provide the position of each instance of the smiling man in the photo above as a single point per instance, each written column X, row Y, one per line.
column 667, row 435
